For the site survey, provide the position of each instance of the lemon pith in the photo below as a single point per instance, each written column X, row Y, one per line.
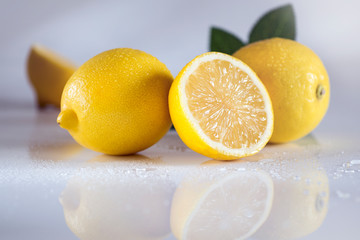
column 297, row 82
column 217, row 104
column 119, row 98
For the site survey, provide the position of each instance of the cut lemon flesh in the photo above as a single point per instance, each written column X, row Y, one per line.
column 231, row 207
column 223, row 105
column 48, row 72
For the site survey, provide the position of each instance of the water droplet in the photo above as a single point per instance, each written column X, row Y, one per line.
column 241, row 169
column 347, row 165
column 151, row 169
column 342, row 195
column 297, row 178
column 306, row 192
column 337, row 175
column 248, row 213
column 266, row 160
column 355, row 161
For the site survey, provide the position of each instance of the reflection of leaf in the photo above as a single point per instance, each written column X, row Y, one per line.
column 279, row 22
column 223, row 41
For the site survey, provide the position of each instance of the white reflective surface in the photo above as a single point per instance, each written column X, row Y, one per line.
column 52, row 188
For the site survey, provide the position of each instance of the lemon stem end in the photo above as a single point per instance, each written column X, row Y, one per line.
column 320, row 92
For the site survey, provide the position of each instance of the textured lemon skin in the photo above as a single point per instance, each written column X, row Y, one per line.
column 185, row 129
column 48, row 73
column 120, row 98
column 291, row 72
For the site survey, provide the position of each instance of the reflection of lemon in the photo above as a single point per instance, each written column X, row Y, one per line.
column 48, row 72
column 217, row 206
column 220, row 108
column 299, row 208
column 116, row 103
column 297, row 82
column 117, row 207
column 127, row 160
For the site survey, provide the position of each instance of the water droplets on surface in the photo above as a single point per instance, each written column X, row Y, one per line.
column 355, row 162
column 343, row 195
column 248, row 213
column 297, row 178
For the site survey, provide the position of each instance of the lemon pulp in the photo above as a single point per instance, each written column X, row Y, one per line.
column 229, row 109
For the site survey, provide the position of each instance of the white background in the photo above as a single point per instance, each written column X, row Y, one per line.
column 173, row 31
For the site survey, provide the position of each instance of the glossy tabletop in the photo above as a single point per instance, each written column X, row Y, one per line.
column 52, row 188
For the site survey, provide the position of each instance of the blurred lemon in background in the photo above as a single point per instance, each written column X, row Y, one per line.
column 117, row 102
column 48, row 73
column 220, row 108
column 297, row 82
column 221, row 205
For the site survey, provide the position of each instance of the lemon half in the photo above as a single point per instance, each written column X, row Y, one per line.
column 48, row 72
column 220, row 108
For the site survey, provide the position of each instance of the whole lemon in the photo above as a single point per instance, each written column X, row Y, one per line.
column 297, row 82
column 117, row 102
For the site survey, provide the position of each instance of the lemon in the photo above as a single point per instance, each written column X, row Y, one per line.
column 48, row 72
column 220, row 108
column 117, row 102
column 297, row 82
column 221, row 205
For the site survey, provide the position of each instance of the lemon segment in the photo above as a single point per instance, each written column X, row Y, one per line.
column 297, row 82
column 48, row 72
column 220, row 108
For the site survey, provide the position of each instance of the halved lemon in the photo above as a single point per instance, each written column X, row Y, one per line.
column 223, row 206
column 48, row 72
column 220, row 108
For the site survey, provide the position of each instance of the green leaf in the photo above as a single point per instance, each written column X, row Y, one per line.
column 223, row 41
column 279, row 22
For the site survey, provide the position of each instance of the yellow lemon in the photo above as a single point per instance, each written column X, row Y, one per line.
column 297, row 82
column 117, row 102
column 48, row 72
column 220, row 108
